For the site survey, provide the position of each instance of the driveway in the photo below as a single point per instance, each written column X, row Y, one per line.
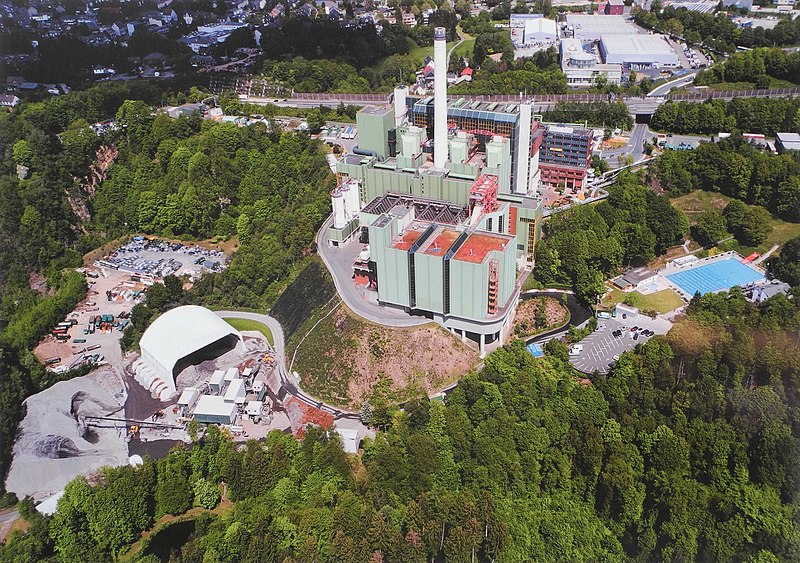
column 339, row 261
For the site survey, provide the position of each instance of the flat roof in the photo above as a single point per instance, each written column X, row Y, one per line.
column 632, row 44
column 217, row 377
column 376, row 110
column 478, row 246
column 214, row 405
column 409, row 236
column 788, row 137
column 440, row 242
column 235, row 390
column 592, row 25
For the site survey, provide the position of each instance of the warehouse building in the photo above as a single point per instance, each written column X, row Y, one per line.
column 179, row 338
column 582, row 68
column 532, row 29
column 638, row 51
column 590, row 27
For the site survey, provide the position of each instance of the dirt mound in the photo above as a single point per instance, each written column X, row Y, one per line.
column 344, row 359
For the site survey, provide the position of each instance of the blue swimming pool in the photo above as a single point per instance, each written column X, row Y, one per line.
column 716, row 276
column 536, row 350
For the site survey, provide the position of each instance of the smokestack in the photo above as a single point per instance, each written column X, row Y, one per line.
column 400, row 108
column 440, row 97
column 524, row 148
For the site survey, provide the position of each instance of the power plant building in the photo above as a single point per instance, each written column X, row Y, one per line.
column 447, row 204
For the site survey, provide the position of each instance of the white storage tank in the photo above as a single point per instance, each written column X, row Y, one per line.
column 338, row 203
column 351, row 196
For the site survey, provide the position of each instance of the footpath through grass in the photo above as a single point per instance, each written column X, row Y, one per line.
column 247, row 324
column 695, row 203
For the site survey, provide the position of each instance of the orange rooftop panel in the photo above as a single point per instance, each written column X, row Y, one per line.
column 407, row 238
column 478, row 246
column 441, row 242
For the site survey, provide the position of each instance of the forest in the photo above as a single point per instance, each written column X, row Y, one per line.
column 178, row 178
column 735, row 168
column 584, row 246
column 758, row 66
column 686, row 451
column 596, row 114
column 748, row 115
column 715, row 30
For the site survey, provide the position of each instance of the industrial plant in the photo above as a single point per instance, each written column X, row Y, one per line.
column 444, row 197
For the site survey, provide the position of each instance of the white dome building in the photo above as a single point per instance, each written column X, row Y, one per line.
column 179, row 338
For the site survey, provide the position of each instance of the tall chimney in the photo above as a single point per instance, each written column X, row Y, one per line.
column 400, row 108
column 524, row 148
column 439, row 97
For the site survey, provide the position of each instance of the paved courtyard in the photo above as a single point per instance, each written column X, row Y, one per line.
column 602, row 348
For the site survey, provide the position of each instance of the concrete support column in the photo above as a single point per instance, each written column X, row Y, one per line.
column 463, row 335
column 483, row 345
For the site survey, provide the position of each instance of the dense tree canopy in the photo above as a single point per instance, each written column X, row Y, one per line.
column 750, row 115
column 736, row 169
column 584, row 245
column 688, row 449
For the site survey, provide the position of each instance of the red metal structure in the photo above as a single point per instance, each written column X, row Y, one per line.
column 484, row 193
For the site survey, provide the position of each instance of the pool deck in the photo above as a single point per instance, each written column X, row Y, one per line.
column 675, row 269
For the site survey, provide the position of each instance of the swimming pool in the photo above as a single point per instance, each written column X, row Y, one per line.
column 715, row 276
column 536, row 350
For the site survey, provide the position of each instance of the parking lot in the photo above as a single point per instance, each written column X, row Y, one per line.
column 158, row 258
column 602, row 347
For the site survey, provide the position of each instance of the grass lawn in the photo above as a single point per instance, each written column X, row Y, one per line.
column 727, row 86
column 773, row 83
column 661, row 301
column 698, row 201
column 247, row 324
column 465, row 49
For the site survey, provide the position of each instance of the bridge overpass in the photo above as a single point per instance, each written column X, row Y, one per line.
column 638, row 106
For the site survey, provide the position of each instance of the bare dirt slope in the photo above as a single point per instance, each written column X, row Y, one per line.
column 344, row 359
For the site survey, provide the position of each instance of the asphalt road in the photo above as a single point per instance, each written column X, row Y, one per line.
column 634, row 148
column 679, row 83
column 339, row 262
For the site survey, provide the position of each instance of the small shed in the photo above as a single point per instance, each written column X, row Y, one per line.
column 215, row 383
column 350, row 439
column 188, row 397
column 253, row 408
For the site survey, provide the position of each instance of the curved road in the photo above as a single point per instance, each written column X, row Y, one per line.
column 664, row 89
column 287, row 380
column 340, row 265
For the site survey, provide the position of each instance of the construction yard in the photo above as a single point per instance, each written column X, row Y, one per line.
column 111, row 292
